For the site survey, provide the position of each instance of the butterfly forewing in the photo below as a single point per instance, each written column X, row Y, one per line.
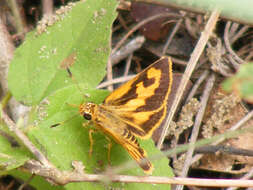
column 142, row 101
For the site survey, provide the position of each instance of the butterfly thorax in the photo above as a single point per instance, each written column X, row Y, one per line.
column 87, row 110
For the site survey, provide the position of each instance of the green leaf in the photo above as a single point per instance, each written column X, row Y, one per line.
column 84, row 31
column 242, row 82
column 12, row 153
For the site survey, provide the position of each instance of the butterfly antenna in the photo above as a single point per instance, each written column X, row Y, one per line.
column 62, row 123
column 75, row 81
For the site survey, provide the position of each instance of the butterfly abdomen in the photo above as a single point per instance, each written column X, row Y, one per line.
column 132, row 146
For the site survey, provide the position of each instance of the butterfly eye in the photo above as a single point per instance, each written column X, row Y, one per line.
column 87, row 116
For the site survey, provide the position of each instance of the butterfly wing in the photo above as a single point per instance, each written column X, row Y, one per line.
column 142, row 102
column 108, row 123
column 138, row 154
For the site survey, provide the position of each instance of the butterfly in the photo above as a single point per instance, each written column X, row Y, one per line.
column 134, row 110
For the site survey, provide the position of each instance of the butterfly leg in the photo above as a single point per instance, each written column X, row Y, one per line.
column 91, row 141
column 86, row 124
column 109, row 146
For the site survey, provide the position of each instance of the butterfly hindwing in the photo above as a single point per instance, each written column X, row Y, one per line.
column 117, row 129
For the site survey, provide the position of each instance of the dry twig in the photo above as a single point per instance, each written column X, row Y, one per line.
column 47, row 7
column 196, row 85
column 36, row 152
column 233, row 128
column 128, row 64
column 126, row 50
column 189, row 69
column 227, row 43
column 174, row 31
column 114, row 81
column 66, row 177
column 140, row 24
column 109, row 74
column 196, row 127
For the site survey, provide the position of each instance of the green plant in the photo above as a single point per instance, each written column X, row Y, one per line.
column 82, row 31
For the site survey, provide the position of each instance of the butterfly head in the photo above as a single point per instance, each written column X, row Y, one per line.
column 87, row 110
